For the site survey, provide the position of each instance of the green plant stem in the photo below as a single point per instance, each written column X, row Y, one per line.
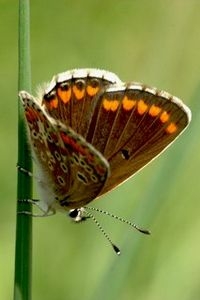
column 23, row 251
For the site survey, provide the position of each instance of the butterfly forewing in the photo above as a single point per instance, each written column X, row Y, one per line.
column 132, row 125
column 74, row 96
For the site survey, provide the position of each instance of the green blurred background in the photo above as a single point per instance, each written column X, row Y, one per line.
column 155, row 42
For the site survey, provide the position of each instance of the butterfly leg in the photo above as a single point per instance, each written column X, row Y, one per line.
column 21, row 169
column 35, row 202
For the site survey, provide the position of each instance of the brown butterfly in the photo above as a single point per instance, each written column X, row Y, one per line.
column 89, row 132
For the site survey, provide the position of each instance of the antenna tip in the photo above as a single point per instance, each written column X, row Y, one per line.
column 145, row 231
column 116, row 249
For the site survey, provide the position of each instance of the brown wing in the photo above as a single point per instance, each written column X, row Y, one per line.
column 72, row 96
column 72, row 171
column 131, row 125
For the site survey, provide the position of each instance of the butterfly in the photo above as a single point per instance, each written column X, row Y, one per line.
column 89, row 132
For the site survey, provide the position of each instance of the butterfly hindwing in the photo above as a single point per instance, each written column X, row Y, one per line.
column 70, row 168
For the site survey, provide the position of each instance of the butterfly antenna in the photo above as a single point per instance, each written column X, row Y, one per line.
column 145, row 231
column 115, row 248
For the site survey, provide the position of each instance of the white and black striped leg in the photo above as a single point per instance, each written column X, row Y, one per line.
column 49, row 212
column 35, row 202
column 21, row 169
column 28, row 173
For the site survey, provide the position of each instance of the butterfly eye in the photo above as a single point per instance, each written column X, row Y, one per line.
column 73, row 213
column 78, row 214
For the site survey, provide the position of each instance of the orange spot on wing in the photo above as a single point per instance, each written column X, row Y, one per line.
column 164, row 117
column 64, row 95
column 81, row 149
column 128, row 104
column 154, row 110
column 54, row 103
column 110, row 104
column 73, row 143
column 79, row 93
column 51, row 103
column 142, row 107
column 171, row 128
column 92, row 91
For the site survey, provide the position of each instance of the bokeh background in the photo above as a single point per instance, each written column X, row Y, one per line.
column 155, row 42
